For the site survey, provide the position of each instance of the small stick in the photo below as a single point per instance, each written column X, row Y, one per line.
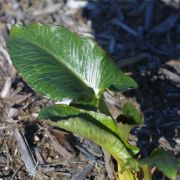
column 25, row 152
column 8, row 82
column 6, row 88
column 6, row 55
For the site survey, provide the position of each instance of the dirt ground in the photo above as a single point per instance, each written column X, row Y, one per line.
column 143, row 37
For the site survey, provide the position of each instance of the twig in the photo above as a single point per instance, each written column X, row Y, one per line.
column 7, row 84
column 6, row 55
column 6, row 88
column 25, row 152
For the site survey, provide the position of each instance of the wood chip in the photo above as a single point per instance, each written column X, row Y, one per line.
column 83, row 174
column 59, row 148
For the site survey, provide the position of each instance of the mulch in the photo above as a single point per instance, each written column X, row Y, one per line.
column 143, row 37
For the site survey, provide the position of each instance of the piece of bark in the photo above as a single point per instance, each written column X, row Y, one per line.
column 59, row 148
column 83, row 174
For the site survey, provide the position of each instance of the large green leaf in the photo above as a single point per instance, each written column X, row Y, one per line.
column 163, row 161
column 56, row 112
column 60, row 112
column 94, row 126
column 61, row 64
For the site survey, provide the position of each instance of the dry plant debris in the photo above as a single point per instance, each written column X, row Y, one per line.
column 143, row 37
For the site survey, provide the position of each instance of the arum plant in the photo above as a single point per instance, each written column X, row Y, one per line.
column 60, row 65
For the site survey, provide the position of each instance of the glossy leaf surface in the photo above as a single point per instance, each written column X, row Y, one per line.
column 94, row 126
column 61, row 64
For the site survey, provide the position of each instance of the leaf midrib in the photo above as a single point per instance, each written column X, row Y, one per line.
column 59, row 61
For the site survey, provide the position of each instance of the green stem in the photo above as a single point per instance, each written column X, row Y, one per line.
column 103, row 107
column 126, row 175
column 147, row 172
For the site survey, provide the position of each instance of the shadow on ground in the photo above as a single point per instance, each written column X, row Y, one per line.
column 143, row 38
